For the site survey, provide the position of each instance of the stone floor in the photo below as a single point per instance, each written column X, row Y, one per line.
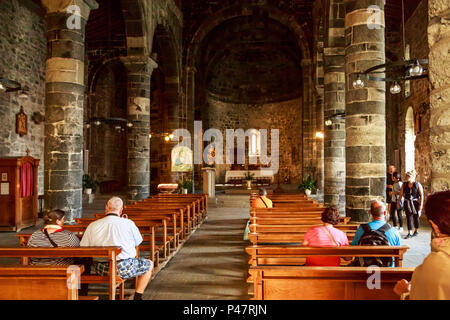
column 212, row 264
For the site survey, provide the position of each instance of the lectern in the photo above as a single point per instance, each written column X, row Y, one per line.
column 18, row 192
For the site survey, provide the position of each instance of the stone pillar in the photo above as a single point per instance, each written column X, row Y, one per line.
column 209, row 182
column 365, row 109
column 308, row 123
column 64, row 104
column 140, row 70
column 334, row 81
column 439, row 60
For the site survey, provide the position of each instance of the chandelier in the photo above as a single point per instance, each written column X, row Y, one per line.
column 395, row 72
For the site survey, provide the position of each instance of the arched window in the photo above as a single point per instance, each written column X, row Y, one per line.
column 254, row 143
column 410, row 139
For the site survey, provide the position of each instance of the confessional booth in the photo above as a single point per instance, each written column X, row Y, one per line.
column 18, row 193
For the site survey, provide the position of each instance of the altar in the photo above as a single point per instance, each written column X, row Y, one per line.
column 233, row 175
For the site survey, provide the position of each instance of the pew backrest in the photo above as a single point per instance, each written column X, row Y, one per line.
column 326, row 283
column 39, row 282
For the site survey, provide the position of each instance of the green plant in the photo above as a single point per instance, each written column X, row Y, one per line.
column 187, row 184
column 90, row 183
column 249, row 176
column 308, row 184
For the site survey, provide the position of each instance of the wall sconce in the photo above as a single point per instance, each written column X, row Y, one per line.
column 319, row 135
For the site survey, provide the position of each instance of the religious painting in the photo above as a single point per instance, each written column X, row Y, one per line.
column 21, row 123
column 182, row 159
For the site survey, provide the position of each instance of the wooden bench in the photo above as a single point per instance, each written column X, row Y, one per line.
column 293, row 219
column 203, row 197
column 290, row 233
column 191, row 209
column 324, row 283
column 316, row 210
column 40, row 283
column 109, row 253
column 174, row 216
column 148, row 228
column 296, row 255
column 182, row 215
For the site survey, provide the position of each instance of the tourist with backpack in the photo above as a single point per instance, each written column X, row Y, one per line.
column 376, row 233
column 412, row 193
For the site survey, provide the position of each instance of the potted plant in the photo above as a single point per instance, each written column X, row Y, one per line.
column 249, row 177
column 186, row 186
column 89, row 184
column 308, row 185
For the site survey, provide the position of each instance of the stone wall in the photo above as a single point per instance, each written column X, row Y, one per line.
column 23, row 47
column 419, row 99
column 439, row 44
column 285, row 116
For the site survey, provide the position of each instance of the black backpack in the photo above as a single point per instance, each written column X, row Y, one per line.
column 375, row 238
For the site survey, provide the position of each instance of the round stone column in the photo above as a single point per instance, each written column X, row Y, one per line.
column 138, row 140
column 334, row 144
column 64, row 81
column 365, row 108
column 439, row 60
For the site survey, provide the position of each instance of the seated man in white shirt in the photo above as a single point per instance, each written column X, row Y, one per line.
column 114, row 231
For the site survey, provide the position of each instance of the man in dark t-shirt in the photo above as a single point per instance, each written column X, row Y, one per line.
column 389, row 184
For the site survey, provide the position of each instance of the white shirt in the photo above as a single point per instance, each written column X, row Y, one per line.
column 113, row 231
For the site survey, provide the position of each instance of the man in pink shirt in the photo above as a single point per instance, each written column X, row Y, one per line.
column 325, row 236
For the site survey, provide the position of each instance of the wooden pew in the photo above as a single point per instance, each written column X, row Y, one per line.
column 109, row 253
column 198, row 202
column 316, row 210
column 290, row 233
column 324, row 283
column 189, row 210
column 203, row 197
column 296, row 219
column 148, row 229
column 40, row 283
column 174, row 216
column 296, row 255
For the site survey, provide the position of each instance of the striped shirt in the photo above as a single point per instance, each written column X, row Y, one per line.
column 62, row 238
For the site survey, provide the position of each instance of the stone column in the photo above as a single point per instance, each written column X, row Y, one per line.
column 140, row 70
column 439, row 60
column 334, row 81
column 64, row 104
column 308, row 123
column 365, row 109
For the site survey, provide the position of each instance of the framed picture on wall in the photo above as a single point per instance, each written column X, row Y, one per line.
column 4, row 177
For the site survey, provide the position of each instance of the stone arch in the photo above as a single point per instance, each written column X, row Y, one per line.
column 107, row 101
column 410, row 139
column 238, row 11
column 165, row 104
column 135, row 27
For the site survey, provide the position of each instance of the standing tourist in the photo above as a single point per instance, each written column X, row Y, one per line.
column 412, row 195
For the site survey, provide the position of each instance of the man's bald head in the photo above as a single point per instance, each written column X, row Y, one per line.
column 114, row 205
column 377, row 209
